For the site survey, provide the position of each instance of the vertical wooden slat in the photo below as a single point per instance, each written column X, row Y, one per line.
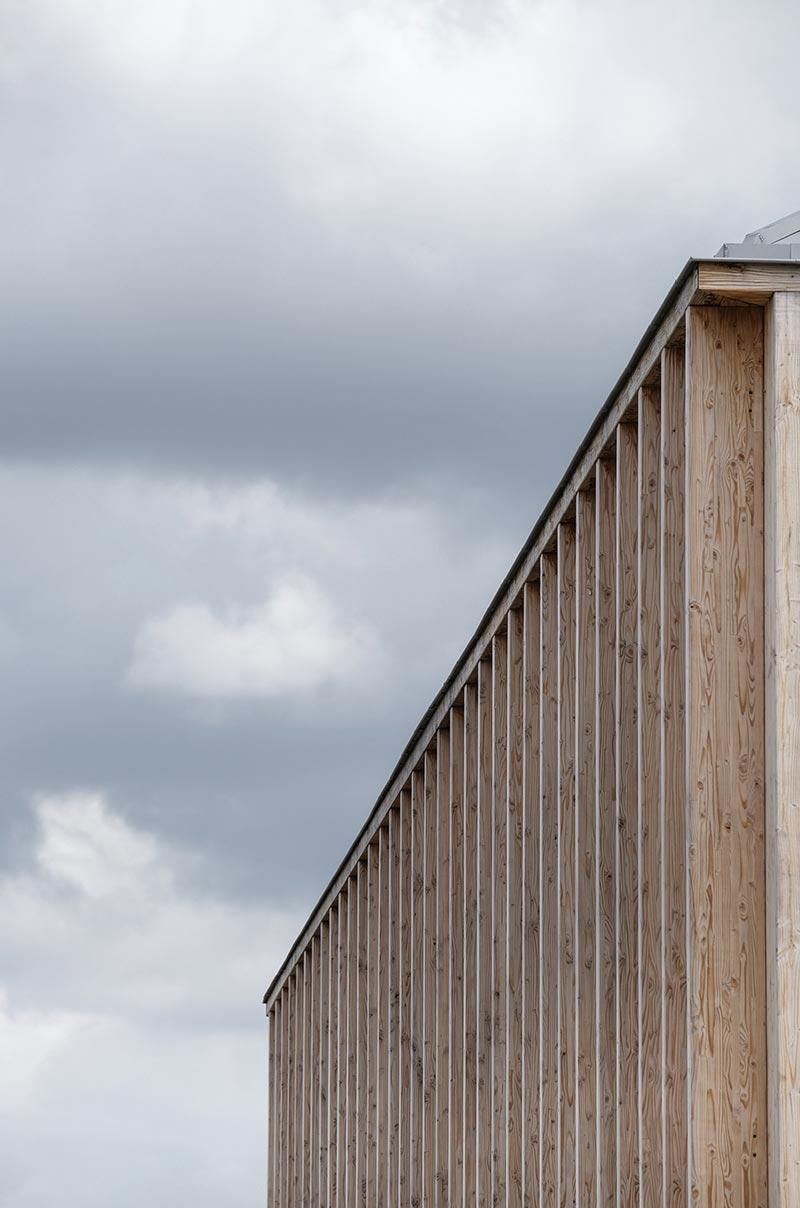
column 431, row 839
column 627, row 821
column 586, row 846
column 272, row 1057
column 782, row 597
column 500, row 900
column 471, row 978
column 324, row 1045
column 566, row 860
column 286, row 1086
column 393, row 893
column 606, row 826
column 373, row 1008
column 515, row 900
column 406, row 889
column 314, row 1057
column 296, row 1165
column 456, row 957
column 417, row 981
column 548, row 908
column 333, row 1051
column 342, row 1060
column 485, row 938
column 531, row 784
column 441, row 1088
column 383, row 958
column 364, row 1064
column 725, row 754
column 353, row 996
column 651, row 1056
column 673, row 774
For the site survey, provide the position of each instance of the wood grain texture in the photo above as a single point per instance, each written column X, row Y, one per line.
column 273, row 1052
column 353, row 999
column 673, row 774
column 484, row 1132
column 430, row 977
column 515, row 906
column 725, row 755
column 302, row 1081
column 651, row 836
column 586, row 846
column 606, row 824
column 627, row 859
column 782, row 569
column 322, row 1147
column 394, row 900
column 471, row 979
column 417, row 981
column 456, row 958
column 441, row 1087
column 373, row 1010
column 531, row 950
column 406, row 954
column 500, row 910
column 291, row 1086
column 548, row 909
column 567, row 887
column 313, row 1071
column 283, row 1156
column 334, row 1017
column 343, row 1137
column 383, row 960
column 363, row 1005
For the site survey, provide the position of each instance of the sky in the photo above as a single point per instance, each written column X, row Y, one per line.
column 305, row 309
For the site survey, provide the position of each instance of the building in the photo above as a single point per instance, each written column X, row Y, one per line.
column 560, row 964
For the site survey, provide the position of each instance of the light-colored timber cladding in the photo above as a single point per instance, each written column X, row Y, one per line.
column 560, row 965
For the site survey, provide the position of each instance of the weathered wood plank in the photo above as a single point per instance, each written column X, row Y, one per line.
column 673, row 774
column 353, row 997
column 606, row 823
column 383, row 960
column 782, row 554
column 313, row 1071
column 531, row 1015
column 627, row 820
column 394, row 902
column 373, row 1009
column 586, row 846
column 500, row 910
column 456, row 956
column 485, row 938
column 567, row 982
column 471, row 979
column 651, row 835
column 548, row 910
column 431, row 840
column 725, row 755
column 406, row 954
column 290, row 1011
column 273, row 1056
column 303, row 1170
column 441, row 1087
column 515, row 897
column 322, row 1154
column 334, row 1018
column 417, row 981
column 755, row 282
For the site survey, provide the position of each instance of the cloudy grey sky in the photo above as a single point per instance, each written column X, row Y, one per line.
column 305, row 306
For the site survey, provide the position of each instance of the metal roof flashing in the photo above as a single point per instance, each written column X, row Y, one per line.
column 779, row 240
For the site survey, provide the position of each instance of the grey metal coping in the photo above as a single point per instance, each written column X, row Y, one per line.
column 328, row 895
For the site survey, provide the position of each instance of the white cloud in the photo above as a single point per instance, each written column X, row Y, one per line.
column 291, row 644
column 131, row 1037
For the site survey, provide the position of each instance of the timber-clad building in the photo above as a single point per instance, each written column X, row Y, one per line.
column 560, row 964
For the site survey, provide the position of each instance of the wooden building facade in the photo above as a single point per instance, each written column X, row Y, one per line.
column 560, row 965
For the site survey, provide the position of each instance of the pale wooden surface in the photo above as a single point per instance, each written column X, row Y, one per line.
column 725, row 755
column 471, row 832
column 586, row 846
column 417, row 981
column 333, row 1052
column 406, row 954
column 500, row 912
column 430, row 980
column 323, row 1112
column 627, row 858
column 272, row 1062
column 516, row 895
column 605, row 721
column 549, row 1104
column 456, row 837
column 314, row 1058
column 673, row 777
column 353, row 993
column 485, row 939
column 651, row 836
column 394, row 905
column 531, row 952
column 782, row 569
column 441, row 1089
column 381, row 960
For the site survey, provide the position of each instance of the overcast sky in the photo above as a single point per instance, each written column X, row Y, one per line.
column 305, row 306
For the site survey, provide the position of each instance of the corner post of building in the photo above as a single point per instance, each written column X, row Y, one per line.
column 725, row 683
column 782, row 614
